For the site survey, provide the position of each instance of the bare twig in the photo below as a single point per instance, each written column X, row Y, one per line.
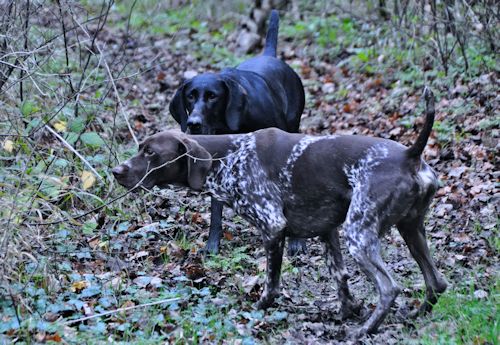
column 26, row 29
column 61, row 15
column 110, row 312
column 117, row 95
column 137, row 185
column 72, row 149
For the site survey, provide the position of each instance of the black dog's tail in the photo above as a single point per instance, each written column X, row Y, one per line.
column 272, row 34
column 416, row 150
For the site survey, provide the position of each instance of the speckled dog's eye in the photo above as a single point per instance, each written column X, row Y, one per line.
column 190, row 97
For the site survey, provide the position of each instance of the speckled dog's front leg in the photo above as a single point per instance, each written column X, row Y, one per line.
column 274, row 253
column 335, row 264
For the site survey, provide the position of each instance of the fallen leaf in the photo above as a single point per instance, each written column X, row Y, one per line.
column 249, row 283
column 347, row 108
column 60, row 126
column 87, row 310
column 161, row 76
column 88, row 179
column 79, row 286
column 457, row 172
column 53, row 337
column 127, row 304
column 138, row 125
column 155, row 282
column 139, row 254
column 228, row 236
column 40, row 337
column 395, row 131
column 196, row 218
column 142, row 281
column 194, row 271
column 480, row 294
column 8, row 145
column 478, row 340
column 50, row 317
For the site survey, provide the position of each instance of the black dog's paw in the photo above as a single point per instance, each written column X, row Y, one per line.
column 211, row 248
column 266, row 300
column 296, row 246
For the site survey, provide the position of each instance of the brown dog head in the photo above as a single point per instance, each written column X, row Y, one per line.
column 168, row 157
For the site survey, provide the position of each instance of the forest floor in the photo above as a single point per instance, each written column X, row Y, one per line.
column 146, row 248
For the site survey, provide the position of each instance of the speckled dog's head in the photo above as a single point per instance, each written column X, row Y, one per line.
column 168, row 157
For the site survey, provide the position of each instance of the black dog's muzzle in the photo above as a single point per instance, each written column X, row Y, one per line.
column 194, row 124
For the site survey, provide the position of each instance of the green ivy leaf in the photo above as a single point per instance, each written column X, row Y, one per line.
column 71, row 137
column 92, row 139
column 28, row 108
column 89, row 227
column 77, row 125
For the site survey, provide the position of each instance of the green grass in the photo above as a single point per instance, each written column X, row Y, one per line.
column 236, row 260
column 459, row 317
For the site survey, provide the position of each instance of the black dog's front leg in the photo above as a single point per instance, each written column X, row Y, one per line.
column 296, row 246
column 274, row 253
column 215, row 232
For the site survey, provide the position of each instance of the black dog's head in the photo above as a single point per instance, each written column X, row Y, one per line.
column 209, row 104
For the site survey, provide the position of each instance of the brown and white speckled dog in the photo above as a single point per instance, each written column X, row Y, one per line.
column 305, row 186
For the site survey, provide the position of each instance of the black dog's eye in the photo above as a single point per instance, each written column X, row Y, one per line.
column 211, row 96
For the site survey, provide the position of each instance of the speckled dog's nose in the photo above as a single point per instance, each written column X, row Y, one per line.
column 120, row 170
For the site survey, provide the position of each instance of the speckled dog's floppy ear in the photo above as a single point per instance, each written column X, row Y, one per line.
column 199, row 163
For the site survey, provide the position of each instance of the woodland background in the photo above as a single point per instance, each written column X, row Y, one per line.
column 82, row 81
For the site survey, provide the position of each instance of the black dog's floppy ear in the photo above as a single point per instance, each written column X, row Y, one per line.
column 178, row 107
column 236, row 103
column 199, row 163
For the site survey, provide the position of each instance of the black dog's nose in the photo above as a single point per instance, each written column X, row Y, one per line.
column 119, row 170
column 194, row 124
column 194, row 129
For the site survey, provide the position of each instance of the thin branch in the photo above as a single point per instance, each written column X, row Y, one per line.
column 95, row 209
column 110, row 312
column 117, row 95
column 137, row 185
column 26, row 29
column 72, row 149
column 65, row 46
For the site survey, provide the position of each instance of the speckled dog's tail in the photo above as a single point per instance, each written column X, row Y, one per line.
column 416, row 150
column 272, row 34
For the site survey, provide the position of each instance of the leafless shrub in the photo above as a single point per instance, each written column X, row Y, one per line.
column 48, row 57
column 448, row 27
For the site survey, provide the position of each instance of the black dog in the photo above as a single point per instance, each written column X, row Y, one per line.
column 304, row 186
column 261, row 92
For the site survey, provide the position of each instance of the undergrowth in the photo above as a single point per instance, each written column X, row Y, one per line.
column 71, row 109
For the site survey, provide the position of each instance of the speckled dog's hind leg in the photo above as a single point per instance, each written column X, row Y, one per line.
column 362, row 231
column 413, row 232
